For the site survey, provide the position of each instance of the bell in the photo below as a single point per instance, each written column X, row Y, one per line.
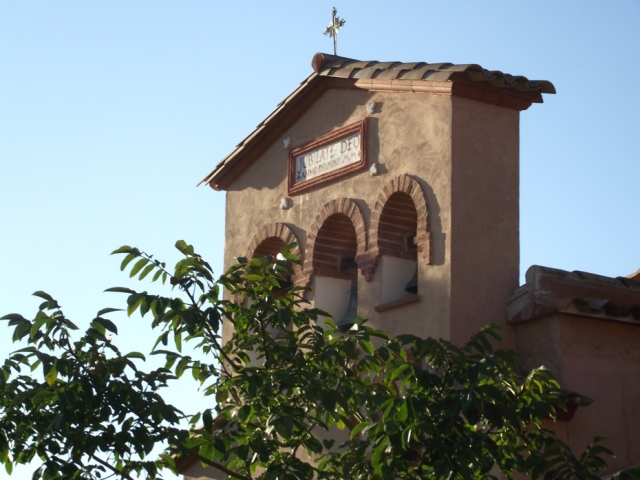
column 412, row 286
column 348, row 320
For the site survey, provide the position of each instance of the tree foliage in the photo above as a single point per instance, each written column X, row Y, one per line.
column 293, row 397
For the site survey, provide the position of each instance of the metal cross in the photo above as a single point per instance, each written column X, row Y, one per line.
column 333, row 29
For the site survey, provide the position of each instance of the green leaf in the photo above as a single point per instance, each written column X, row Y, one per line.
column 52, row 375
column 122, row 249
column 98, row 328
column 195, row 371
column 244, row 414
column 184, row 248
column 104, row 311
column 134, row 302
column 156, row 275
column 120, row 290
column 37, row 324
column 403, row 412
column 135, row 355
column 207, row 420
column 177, row 337
column 40, row 397
column 97, row 332
column 107, row 324
column 36, row 365
column 284, row 427
column 126, row 260
column 358, row 429
column 138, row 266
column 43, row 295
column 367, row 346
column 399, row 371
column 182, row 365
column 14, row 316
column 313, row 446
column 170, row 462
column 146, row 271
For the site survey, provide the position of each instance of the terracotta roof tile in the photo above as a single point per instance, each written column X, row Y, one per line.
column 334, row 66
column 436, row 76
column 379, row 65
column 416, row 73
column 457, row 68
column 391, row 74
column 550, row 290
column 365, row 73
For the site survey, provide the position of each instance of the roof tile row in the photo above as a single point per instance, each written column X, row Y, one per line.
column 342, row 67
column 550, row 290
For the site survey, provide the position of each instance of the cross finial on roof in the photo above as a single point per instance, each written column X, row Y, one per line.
column 333, row 29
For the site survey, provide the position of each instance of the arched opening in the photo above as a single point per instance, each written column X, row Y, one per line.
column 269, row 246
column 397, row 232
column 269, row 240
column 335, row 248
column 272, row 246
column 336, row 271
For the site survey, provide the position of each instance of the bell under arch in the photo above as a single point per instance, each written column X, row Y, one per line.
column 397, row 231
column 333, row 244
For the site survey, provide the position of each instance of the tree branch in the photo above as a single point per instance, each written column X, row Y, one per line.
column 194, row 303
column 219, row 349
column 219, row 466
column 110, row 467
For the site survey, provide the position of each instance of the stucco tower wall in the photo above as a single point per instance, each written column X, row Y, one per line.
column 485, row 248
column 408, row 134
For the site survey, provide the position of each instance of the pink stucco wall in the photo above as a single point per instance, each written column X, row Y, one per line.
column 597, row 358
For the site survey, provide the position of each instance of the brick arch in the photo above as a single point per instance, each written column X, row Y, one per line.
column 409, row 186
column 339, row 209
column 272, row 237
column 398, row 227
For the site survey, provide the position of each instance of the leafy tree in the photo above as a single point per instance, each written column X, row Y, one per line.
column 285, row 388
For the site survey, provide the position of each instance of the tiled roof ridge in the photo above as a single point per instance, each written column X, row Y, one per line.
column 537, row 274
column 343, row 67
column 332, row 71
column 552, row 290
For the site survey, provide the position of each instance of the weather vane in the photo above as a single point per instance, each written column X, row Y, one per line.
column 334, row 28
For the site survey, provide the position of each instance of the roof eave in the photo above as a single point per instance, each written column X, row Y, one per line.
column 292, row 107
column 265, row 133
column 551, row 291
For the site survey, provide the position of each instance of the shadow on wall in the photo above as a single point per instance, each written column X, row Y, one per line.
column 437, row 236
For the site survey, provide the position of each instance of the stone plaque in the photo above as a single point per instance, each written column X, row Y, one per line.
column 328, row 157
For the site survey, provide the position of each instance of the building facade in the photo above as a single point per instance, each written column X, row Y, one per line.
column 399, row 182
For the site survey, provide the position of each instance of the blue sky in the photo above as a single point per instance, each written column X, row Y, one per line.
column 111, row 112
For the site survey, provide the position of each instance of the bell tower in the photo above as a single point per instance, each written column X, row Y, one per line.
column 400, row 184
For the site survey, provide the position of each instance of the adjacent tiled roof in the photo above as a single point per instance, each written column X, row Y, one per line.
column 330, row 71
column 341, row 67
column 635, row 275
column 550, row 290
